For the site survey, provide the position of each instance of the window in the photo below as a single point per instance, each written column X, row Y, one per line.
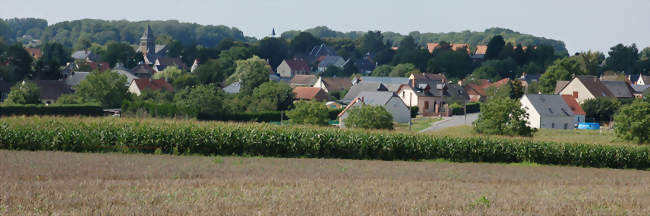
column 550, row 110
column 566, row 126
column 553, row 125
column 426, row 105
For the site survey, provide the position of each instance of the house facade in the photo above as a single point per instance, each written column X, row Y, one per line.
column 389, row 100
column 583, row 88
column 138, row 85
column 292, row 67
column 577, row 110
column 547, row 111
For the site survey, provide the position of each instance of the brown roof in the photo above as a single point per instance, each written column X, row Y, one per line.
column 143, row 69
column 100, row 66
column 34, row 52
column 303, row 80
column 297, row 64
column 573, row 104
column 481, row 49
column 430, row 76
column 309, row 93
column 594, row 86
column 560, row 85
column 477, row 88
column 52, row 89
column 153, row 84
column 166, row 61
column 334, row 84
column 455, row 47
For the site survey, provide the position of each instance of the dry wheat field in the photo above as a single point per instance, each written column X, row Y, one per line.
column 59, row 183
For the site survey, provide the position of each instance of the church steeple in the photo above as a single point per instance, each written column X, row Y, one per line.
column 148, row 42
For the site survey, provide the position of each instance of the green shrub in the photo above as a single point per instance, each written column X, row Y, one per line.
column 473, row 107
column 309, row 112
column 265, row 116
column 369, row 117
column 633, row 122
column 213, row 138
column 457, row 109
column 57, row 110
column 503, row 116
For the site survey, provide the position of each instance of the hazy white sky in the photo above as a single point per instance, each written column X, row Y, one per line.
column 581, row 24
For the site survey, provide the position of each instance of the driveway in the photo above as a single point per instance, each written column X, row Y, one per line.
column 452, row 121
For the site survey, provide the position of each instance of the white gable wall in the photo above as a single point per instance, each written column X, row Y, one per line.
column 284, row 70
column 534, row 118
column 133, row 88
column 408, row 96
column 576, row 86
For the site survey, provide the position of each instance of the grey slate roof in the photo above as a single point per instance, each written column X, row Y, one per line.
column 376, row 97
column 75, row 78
column 385, row 80
column 337, row 61
column 123, row 71
column 456, row 93
column 549, row 105
column 4, row 86
column 640, row 88
column 82, row 54
column 322, row 50
column 233, row 88
column 620, row 89
column 355, row 90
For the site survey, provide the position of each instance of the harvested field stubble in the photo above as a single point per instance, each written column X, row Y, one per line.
column 127, row 184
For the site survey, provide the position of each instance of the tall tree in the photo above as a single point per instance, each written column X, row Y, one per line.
column 494, row 47
column 200, row 99
column 303, row 43
column 454, row 64
column 20, row 63
column 562, row 69
column 622, row 58
column 590, row 62
column 48, row 66
column 252, row 73
column 121, row 53
column 272, row 96
column 273, row 49
column 107, row 88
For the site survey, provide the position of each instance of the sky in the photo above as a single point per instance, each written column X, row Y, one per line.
column 581, row 24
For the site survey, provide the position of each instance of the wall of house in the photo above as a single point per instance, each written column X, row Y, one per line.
column 319, row 84
column 577, row 86
column 557, row 122
column 401, row 113
column 133, row 88
column 284, row 70
column 408, row 96
column 533, row 116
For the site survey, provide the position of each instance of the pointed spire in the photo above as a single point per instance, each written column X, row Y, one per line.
column 148, row 33
column 273, row 32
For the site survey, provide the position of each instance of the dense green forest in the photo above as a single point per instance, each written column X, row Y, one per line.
column 69, row 33
column 470, row 37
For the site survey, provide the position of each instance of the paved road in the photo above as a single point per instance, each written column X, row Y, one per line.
column 452, row 122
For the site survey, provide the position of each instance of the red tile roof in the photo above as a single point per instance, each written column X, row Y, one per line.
column 501, row 82
column 478, row 88
column 309, row 93
column 153, row 84
column 433, row 46
column 573, row 104
column 334, row 84
column 481, row 49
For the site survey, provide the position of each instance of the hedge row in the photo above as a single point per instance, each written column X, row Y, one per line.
column 59, row 110
column 128, row 135
column 458, row 109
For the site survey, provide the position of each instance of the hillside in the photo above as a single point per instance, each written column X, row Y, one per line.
column 471, row 37
column 102, row 31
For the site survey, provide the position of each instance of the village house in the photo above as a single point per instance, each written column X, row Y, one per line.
column 585, row 87
column 462, row 46
column 333, row 84
column 34, row 52
column 476, row 90
column 143, row 71
column 120, row 69
column 138, row 85
column 292, row 67
column 356, row 89
column 620, row 89
column 309, row 93
column 75, row 78
column 326, row 61
column 391, row 83
column 431, row 94
column 164, row 62
column 51, row 90
column 232, row 88
column 547, row 111
column 4, row 89
column 84, row 55
column 303, row 80
column 389, row 100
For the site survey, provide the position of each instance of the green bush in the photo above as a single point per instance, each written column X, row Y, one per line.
column 209, row 138
column 334, row 113
column 369, row 117
column 503, row 116
column 265, row 116
column 473, row 107
column 57, row 110
column 457, row 109
column 309, row 112
column 633, row 122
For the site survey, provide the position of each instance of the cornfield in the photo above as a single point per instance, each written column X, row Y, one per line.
column 81, row 134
